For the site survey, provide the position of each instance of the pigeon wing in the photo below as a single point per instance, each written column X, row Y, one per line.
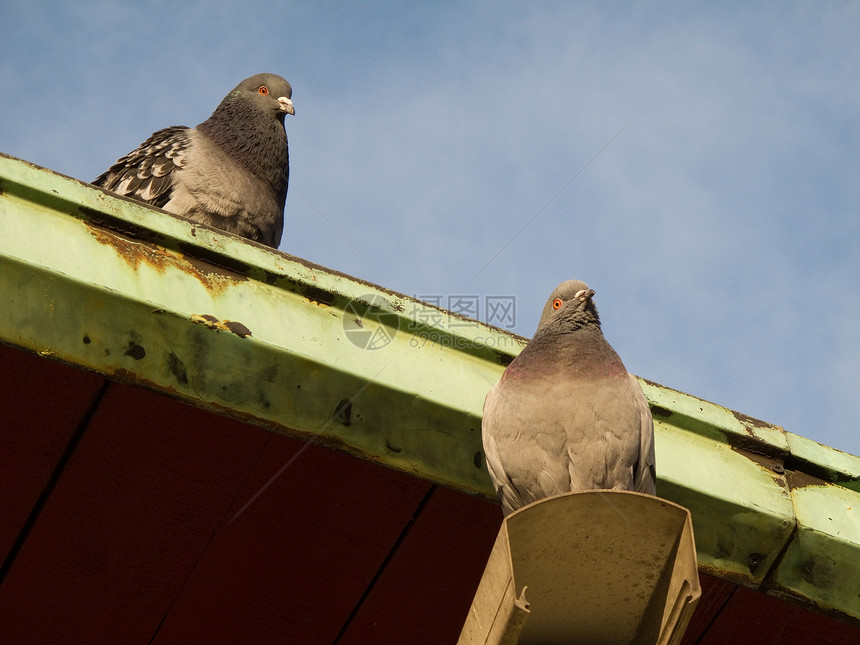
column 149, row 172
column 645, row 477
column 492, row 419
column 522, row 452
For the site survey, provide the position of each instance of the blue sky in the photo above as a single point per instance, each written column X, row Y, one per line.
column 698, row 164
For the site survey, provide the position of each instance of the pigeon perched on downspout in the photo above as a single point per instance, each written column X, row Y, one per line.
column 566, row 415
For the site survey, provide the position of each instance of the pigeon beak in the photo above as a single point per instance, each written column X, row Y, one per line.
column 286, row 105
column 584, row 294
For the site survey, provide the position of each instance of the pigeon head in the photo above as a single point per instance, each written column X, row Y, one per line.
column 268, row 93
column 570, row 307
column 254, row 109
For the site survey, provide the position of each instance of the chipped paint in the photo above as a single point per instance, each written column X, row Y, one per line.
column 138, row 253
column 211, row 322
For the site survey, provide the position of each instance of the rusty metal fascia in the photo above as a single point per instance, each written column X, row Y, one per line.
column 155, row 300
column 820, row 563
column 742, row 513
column 824, row 462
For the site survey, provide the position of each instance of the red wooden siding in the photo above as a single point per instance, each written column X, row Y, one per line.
column 41, row 405
column 116, row 527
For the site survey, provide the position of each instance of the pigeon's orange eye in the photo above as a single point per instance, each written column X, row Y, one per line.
column 263, row 90
column 556, row 304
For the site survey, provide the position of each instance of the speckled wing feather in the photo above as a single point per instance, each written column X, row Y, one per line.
column 149, row 172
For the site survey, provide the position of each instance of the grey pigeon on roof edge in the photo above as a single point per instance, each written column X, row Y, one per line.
column 566, row 415
column 230, row 172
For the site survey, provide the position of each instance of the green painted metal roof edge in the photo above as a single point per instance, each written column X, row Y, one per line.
column 161, row 302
